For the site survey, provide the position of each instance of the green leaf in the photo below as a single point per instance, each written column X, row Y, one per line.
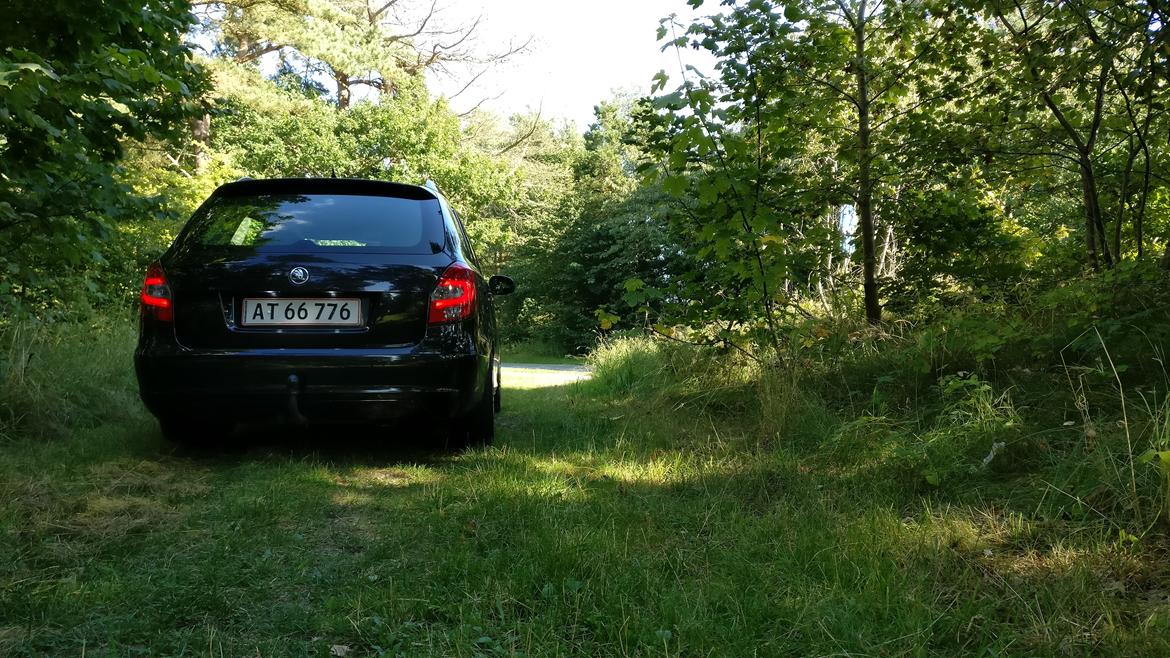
column 660, row 79
column 675, row 185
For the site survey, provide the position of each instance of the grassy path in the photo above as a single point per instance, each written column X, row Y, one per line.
column 596, row 526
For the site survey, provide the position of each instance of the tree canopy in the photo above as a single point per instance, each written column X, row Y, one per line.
column 876, row 159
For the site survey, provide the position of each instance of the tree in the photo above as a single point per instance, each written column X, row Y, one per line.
column 802, row 121
column 75, row 87
column 1079, row 81
column 613, row 243
column 380, row 44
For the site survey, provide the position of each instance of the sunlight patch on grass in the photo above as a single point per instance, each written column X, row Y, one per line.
column 106, row 517
column 149, row 477
column 374, row 478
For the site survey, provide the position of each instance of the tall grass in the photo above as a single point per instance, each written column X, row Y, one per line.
column 58, row 377
column 898, row 411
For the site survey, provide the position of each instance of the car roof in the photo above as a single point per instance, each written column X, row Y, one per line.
column 354, row 186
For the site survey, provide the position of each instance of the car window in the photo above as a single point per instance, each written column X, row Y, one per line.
column 316, row 222
column 463, row 237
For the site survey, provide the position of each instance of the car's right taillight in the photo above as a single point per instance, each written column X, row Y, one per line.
column 157, row 301
column 453, row 299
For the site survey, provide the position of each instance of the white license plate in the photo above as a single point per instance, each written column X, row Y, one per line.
column 302, row 313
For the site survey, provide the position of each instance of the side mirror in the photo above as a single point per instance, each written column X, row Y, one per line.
column 501, row 285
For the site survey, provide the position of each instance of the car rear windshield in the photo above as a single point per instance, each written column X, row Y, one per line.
column 315, row 223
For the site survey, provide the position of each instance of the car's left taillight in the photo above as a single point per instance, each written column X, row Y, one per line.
column 157, row 301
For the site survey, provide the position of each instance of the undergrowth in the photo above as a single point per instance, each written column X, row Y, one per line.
column 683, row 502
column 60, row 377
column 901, row 492
column 1056, row 402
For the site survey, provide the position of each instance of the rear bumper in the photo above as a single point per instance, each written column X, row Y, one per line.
column 308, row 385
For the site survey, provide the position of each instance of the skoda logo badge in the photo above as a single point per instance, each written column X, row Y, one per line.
column 299, row 276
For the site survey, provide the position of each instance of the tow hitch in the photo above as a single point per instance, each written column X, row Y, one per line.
column 294, row 407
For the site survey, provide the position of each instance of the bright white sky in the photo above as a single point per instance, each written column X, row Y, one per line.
column 580, row 53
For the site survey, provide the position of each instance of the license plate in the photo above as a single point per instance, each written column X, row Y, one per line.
column 302, row 313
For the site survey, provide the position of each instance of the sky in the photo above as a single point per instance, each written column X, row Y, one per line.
column 580, row 53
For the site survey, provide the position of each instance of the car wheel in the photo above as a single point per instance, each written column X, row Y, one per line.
column 478, row 428
column 194, row 433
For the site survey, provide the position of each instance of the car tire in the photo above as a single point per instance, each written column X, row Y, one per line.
column 193, row 433
column 478, row 427
column 496, row 401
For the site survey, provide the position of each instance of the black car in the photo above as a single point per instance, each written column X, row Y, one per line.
column 320, row 300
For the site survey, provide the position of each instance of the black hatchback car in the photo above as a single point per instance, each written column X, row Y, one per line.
column 320, row 300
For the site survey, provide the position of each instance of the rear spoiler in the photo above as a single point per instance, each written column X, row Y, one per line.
column 356, row 186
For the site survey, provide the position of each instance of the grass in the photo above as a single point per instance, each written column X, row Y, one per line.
column 537, row 352
column 652, row 511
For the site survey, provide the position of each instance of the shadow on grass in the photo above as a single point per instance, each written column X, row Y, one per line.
column 592, row 527
column 411, row 440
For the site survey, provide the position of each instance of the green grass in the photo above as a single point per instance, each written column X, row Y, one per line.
column 610, row 519
column 535, row 352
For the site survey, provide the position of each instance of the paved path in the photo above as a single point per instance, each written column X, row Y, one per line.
column 542, row 375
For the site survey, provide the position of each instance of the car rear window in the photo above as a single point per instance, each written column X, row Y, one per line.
column 317, row 222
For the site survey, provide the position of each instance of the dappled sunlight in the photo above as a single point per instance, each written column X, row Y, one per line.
column 588, row 503
column 582, row 506
column 352, row 498
column 835, row 347
column 105, row 517
column 1010, row 547
column 649, row 470
column 373, row 478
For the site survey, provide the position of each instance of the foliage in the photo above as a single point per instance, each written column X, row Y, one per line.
column 955, row 239
column 1072, row 91
column 959, row 136
column 75, row 86
column 613, row 245
column 384, row 47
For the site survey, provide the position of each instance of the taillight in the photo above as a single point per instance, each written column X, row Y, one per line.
column 454, row 298
column 156, row 295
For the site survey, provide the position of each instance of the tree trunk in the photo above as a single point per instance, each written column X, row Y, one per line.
column 243, row 51
column 1123, row 199
column 343, row 91
column 873, row 309
column 1094, row 223
column 1140, row 215
column 1095, row 236
column 1090, row 229
column 888, row 260
column 201, row 136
